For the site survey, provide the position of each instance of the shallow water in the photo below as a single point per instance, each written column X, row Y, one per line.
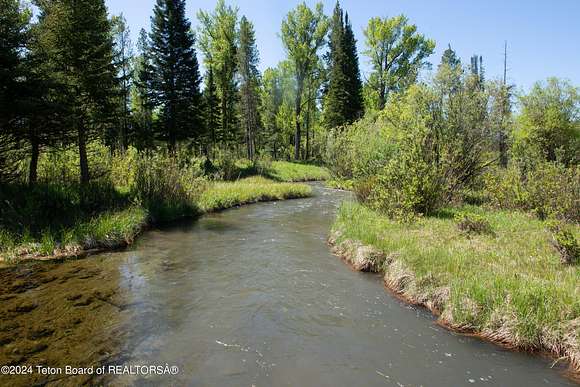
column 250, row 296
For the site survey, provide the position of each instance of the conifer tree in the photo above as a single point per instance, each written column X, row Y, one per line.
column 211, row 111
column 176, row 77
column 248, row 59
column 343, row 103
column 142, row 99
column 75, row 35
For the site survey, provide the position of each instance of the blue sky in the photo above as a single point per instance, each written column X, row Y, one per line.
column 543, row 36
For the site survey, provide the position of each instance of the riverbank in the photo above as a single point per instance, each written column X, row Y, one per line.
column 506, row 285
column 118, row 229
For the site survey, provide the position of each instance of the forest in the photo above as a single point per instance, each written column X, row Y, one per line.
column 467, row 190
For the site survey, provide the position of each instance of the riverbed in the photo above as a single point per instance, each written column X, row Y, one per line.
column 248, row 296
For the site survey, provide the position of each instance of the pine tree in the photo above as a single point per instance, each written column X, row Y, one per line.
column 248, row 59
column 355, row 106
column 176, row 77
column 76, row 38
column 335, row 104
column 13, row 38
column 343, row 103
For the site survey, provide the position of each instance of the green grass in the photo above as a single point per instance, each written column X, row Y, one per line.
column 289, row 172
column 509, row 282
column 222, row 195
column 107, row 230
column 119, row 228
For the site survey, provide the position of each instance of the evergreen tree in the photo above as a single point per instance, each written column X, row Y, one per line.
column 355, row 106
column 248, row 59
column 343, row 103
column 176, row 77
column 13, row 38
column 76, row 38
column 336, row 100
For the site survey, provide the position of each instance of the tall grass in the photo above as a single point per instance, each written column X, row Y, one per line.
column 510, row 283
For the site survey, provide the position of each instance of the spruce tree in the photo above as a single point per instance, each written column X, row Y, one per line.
column 343, row 103
column 176, row 76
column 336, row 100
column 355, row 105
column 13, row 38
column 142, row 100
column 248, row 59
column 75, row 35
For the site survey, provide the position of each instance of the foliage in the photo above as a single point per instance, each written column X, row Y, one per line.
column 175, row 73
column 248, row 59
column 549, row 190
column 343, row 95
column 303, row 34
column 549, row 124
column 565, row 242
column 397, row 52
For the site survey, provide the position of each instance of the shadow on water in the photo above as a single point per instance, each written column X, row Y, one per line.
column 250, row 296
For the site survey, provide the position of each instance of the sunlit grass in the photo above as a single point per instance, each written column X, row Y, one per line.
column 510, row 280
column 286, row 171
column 222, row 195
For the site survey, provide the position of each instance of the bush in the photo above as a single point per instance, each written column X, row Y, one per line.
column 473, row 224
column 565, row 242
column 165, row 190
column 548, row 190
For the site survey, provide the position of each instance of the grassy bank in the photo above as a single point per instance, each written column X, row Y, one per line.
column 292, row 172
column 115, row 229
column 506, row 284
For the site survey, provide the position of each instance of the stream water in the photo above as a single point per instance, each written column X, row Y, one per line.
column 247, row 297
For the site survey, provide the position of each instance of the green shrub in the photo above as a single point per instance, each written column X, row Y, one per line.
column 565, row 242
column 165, row 190
column 473, row 224
column 548, row 190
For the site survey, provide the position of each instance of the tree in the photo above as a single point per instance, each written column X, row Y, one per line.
column 355, row 106
column 303, row 33
column 14, row 22
column 397, row 53
column 218, row 36
column 343, row 102
column 211, row 110
column 549, row 124
column 142, row 94
column 248, row 59
column 124, row 62
column 75, row 35
column 271, row 101
column 176, row 77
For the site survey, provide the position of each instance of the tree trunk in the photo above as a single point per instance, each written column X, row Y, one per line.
column 83, row 160
column 35, row 153
column 298, row 134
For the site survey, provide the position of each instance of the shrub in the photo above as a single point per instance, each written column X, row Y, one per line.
column 473, row 224
column 565, row 242
column 548, row 190
column 167, row 191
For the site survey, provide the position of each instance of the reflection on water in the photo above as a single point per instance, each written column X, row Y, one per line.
column 250, row 296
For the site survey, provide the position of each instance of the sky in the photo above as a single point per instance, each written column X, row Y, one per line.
column 543, row 36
